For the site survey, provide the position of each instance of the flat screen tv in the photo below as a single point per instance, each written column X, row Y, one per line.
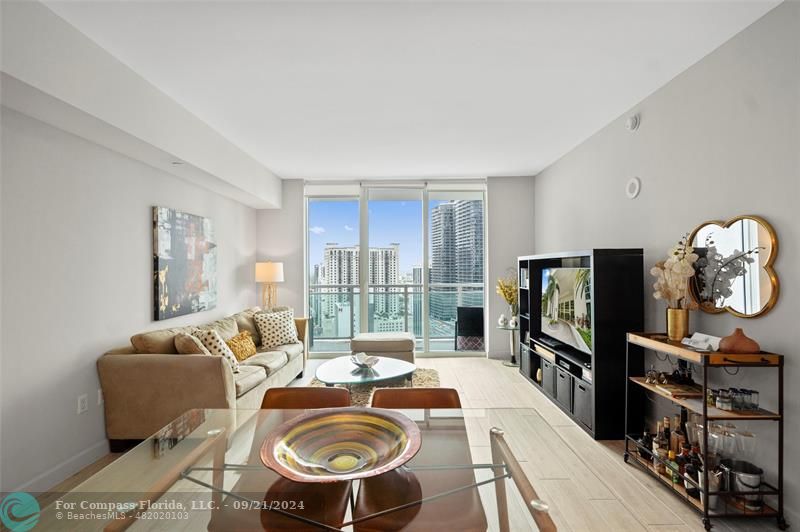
column 567, row 306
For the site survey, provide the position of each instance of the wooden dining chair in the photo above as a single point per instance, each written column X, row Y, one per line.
column 305, row 398
column 323, row 503
column 415, row 398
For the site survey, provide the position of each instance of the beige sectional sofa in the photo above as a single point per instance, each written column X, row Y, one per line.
column 148, row 384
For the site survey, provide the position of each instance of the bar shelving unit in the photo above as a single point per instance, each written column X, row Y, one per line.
column 729, row 504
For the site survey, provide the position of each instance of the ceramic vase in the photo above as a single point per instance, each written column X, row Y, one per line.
column 677, row 324
column 513, row 322
column 502, row 321
column 739, row 343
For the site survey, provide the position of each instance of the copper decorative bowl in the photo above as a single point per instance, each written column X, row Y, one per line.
column 331, row 445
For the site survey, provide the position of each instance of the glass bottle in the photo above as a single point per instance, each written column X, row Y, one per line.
column 672, row 470
column 694, row 474
column 666, row 430
column 660, row 445
column 645, row 445
column 684, row 458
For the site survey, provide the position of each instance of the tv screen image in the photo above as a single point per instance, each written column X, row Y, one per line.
column 567, row 306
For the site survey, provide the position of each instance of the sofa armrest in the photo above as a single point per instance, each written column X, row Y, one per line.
column 302, row 333
column 143, row 393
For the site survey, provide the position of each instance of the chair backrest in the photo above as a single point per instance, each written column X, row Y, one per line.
column 304, row 398
column 415, row 398
column 469, row 321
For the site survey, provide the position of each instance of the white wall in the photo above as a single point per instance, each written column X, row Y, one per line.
column 509, row 231
column 41, row 50
column 281, row 239
column 719, row 140
column 77, row 270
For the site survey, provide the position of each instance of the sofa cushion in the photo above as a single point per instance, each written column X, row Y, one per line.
column 242, row 346
column 292, row 350
column 248, row 378
column 187, row 344
column 246, row 322
column 271, row 361
column 226, row 327
column 276, row 328
column 160, row 342
column 217, row 346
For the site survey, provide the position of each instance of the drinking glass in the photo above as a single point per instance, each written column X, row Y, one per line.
column 746, row 444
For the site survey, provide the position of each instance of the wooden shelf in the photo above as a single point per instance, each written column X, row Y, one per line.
column 696, row 405
column 766, row 511
column 659, row 342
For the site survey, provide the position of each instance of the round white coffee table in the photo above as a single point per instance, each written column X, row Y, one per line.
column 341, row 370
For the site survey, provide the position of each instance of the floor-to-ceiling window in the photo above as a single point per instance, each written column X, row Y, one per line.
column 334, row 303
column 423, row 271
column 456, row 288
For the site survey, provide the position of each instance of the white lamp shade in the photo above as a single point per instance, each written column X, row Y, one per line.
column 269, row 272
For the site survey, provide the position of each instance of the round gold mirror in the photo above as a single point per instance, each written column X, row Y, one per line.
column 734, row 272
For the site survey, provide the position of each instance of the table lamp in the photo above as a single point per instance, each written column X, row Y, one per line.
column 269, row 273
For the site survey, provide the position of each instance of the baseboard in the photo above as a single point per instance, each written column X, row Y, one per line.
column 60, row 472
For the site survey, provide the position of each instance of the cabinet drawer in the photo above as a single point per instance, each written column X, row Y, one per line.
column 582, row 402
column 525, row 361
column 548, row 378
column 564, row 388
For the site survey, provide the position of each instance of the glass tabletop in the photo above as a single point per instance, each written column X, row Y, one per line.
column 341, row 370
column 204, row 472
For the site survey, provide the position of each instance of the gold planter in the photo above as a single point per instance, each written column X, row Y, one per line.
column 677, row 323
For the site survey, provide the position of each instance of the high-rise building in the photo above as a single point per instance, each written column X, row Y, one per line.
column 468, row 221
column 415, row 294
column 456, row 256
column 341, row 266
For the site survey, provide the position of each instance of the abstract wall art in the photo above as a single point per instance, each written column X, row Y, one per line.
column 184, row 263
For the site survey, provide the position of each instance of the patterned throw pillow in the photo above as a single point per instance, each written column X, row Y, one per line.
column 276, row 328
column 186, row 344
column 217, row 346
column 242, row 345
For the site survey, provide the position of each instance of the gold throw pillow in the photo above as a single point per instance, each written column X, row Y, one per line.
column 242, row 345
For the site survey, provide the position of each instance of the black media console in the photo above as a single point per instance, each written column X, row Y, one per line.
column 578, row 357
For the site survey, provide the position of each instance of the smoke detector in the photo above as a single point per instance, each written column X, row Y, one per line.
column 632, row 123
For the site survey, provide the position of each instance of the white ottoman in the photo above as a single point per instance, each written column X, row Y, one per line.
column 399, row 345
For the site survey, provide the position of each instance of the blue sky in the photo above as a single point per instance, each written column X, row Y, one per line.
column 390, row 221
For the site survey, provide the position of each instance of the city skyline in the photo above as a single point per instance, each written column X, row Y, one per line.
column 335, row 223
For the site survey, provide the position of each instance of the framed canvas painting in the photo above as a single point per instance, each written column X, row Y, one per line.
column 184, row 263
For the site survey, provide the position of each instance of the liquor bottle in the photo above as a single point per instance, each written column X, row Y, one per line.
column 672, row 470
column 660, row 444
column 666, row 430
column 645, row 445
column 695, row 457
column 684, row 458
column 677, row 436
column 694, row 474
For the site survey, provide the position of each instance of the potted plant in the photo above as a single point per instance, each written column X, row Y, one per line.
column 507, row 288
column 672, row 286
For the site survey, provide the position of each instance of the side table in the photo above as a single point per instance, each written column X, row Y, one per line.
column 513, row 338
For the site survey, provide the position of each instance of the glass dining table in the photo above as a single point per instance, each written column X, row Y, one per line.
column 203, row 471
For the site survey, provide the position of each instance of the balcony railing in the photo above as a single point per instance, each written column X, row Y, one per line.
column 336, row 314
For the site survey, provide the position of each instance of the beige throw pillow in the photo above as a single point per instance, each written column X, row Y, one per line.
column 186, row 344
column 276, row 328
column 216, row 345
column 226, row 327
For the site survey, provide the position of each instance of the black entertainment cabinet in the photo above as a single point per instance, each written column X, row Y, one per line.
column 589, row 387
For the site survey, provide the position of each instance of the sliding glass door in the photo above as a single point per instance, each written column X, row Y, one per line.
column 395, row 238
column 334, row 302
column 455, row 293
column 423, row 271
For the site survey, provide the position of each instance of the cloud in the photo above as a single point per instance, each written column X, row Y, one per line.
column 347, row 227
column 317, row 230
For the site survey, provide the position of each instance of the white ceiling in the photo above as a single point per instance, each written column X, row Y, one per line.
column 335, row 90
